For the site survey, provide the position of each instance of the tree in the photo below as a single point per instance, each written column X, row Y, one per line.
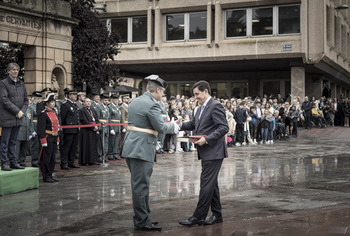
column 92, row 46
column 8, row 54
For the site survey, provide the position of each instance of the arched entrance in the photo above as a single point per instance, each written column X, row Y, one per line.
column 44, row 27
column 58, row 80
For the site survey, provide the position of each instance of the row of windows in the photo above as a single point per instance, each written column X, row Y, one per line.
column 249, row 22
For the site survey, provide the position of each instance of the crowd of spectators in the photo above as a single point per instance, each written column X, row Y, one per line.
column 262, row 120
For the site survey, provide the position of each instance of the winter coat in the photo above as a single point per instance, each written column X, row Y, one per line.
column 254, row 120
column 240, row 116
column 13, row 98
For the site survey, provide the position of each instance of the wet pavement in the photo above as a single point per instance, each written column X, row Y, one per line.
column 295, row 187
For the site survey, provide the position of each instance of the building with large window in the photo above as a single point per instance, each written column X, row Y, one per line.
column 242, row 47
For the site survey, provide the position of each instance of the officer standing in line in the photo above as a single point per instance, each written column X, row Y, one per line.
column 95, row 105
column 81, row 98
column 139, row 147
column 161, row 136
column 24, row 136
column 34, row 109
column 69, row 116
column 124, row 113
column 114, row 133
column 104, row 117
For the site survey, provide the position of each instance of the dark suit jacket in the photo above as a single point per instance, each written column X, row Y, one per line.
column 213, row 123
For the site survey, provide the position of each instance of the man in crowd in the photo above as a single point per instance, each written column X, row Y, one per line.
column 210, row 121
column 69, row 116
column 139, row 147
column 13, row 106
column 306, row 109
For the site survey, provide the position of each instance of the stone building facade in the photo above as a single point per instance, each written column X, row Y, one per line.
column 242, row 47
column 44, row 28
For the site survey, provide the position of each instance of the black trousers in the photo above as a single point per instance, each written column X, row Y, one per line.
column 69, row 149
column 209, row 195
column 308, row 123
column 240, row 133
column 47, row 159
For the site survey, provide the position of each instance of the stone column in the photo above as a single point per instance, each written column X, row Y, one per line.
column 297, row 81
column 333, row 90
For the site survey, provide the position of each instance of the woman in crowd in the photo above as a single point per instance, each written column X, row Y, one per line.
column 48, row 136
column 88, row 136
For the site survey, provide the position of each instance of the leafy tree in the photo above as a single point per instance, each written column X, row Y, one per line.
column 92, row 46
column 8, row 54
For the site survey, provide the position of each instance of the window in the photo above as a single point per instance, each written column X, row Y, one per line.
column 239, row 89
column 186, row 26
column 289, row 20
column 236, row 23
column 262, row 23
column 131, row 29
column 274, row 20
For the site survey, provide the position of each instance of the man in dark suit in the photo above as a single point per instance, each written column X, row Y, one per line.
column 306, row 109
column 210, row 120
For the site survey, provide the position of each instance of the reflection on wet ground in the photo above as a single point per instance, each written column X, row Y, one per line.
column 289, row 176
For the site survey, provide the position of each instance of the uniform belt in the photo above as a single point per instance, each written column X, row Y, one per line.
column 115, row 120
column 105, row 121
column 149, row 131
column 51, row 132
column 35, row 121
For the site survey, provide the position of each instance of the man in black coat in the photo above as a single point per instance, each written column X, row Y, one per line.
column 13, row 106
column 69, row 116
column 306, row 109
column 210, row 120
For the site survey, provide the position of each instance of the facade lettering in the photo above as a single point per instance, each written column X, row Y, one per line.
column 22, row 21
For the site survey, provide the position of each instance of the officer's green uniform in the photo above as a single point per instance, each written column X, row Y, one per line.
column 113, row 142
column 34, row 142
column 139, row 149
column 104, row 118
column 161, row 137
column 23, row 139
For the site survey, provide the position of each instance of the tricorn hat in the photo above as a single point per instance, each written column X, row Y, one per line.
column 49, row 97
column 37, row 94
column 158, row 80
column 46, row 90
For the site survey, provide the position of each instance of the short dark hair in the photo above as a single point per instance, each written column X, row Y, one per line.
column 202, row 85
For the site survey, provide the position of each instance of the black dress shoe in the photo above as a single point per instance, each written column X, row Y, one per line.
column 35, row 165
column 111, row 158
column 213, row 220
column 49, row 180
column 64, row 167
column 5, row 168
column 192, row 221
column 23, row 164
column 73, row 166
column 56, row 180
column 150, row 227
column 16, row 166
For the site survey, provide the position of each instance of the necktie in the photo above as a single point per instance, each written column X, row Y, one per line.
column 201, row 111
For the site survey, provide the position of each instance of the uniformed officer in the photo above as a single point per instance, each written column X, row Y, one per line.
column 124, row 113
column 139, row 147
column 69, row 116
column 104, row 117
column 81, row 98
column 34, row 109
column 48, row 135
column 114, row 133
column 25, row 134
column 161, row 137
column 95, row 105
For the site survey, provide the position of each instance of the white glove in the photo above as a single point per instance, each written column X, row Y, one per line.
column 44, row 145
column 58, row 143
column 97, row 132
column 34, row 134
column 30, row 137
column 176, row 128
column 158, row 146
column 124, row 130
column 112, row 132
